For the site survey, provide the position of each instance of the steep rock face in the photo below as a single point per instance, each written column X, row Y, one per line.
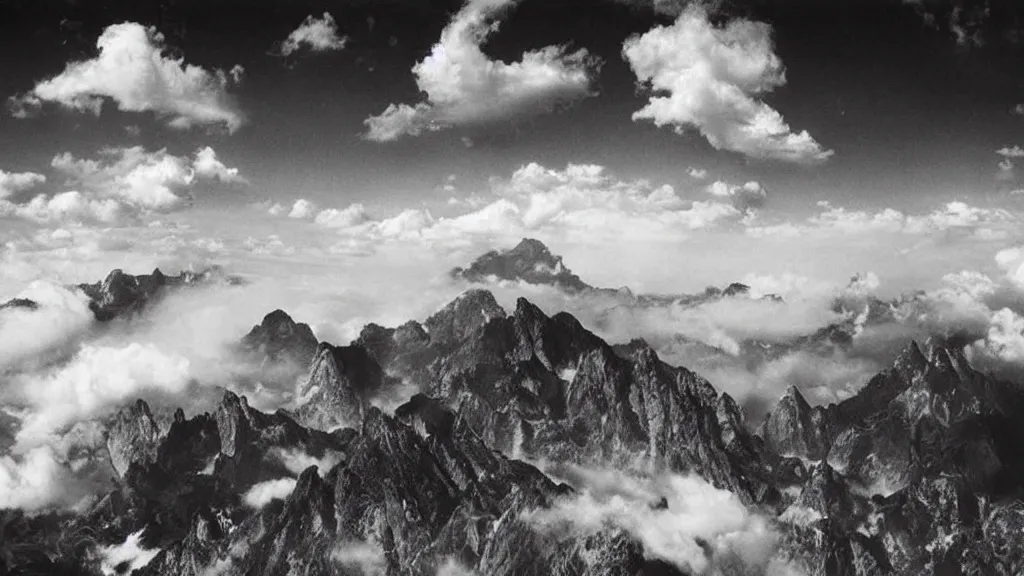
column 529, row 261
column 793, row 428
column 463, row 316
column 341, row 383
column 279, row 339
column 132, row 437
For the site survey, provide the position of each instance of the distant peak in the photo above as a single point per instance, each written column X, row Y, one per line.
column 736, row 288
column 530, row 261
column 530, row 245
column 277, row 317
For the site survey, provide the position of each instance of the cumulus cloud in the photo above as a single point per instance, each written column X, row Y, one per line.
column 316, row 34
column 699, row 529
column 709, row 78
column 465, row 87
column 12, row 183
column 697, row 173
column 60, row 316
column 132, row 70
column 264, row 493
column 351, row 216
column 207, row 165
column 122, row 184
column 749, row 196
column 70, row 206
column 1011, row 261
column 1011, row 152
column 302, row 209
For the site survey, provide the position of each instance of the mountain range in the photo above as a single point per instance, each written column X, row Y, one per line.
column 483, row 441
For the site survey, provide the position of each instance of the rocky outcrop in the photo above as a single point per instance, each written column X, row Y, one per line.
column 132, row 437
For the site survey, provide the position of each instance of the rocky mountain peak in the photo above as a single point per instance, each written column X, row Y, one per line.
column 341, row 382
column 793, row 428
column 463, row 316
column 529, row 261
column 736, row 289
column 279, row 338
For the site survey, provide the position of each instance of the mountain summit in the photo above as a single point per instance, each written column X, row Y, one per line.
column 529, row 261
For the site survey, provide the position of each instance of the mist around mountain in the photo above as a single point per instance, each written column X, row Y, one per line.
column 497, row 434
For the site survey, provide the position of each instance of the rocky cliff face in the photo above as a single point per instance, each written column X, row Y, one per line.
column 919, row 473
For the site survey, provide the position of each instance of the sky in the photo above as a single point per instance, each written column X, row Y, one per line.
column 625, row 133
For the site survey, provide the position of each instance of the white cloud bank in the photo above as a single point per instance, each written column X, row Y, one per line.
column 316, row 34
column 581, row 201
column 95, row 381
column 709, row 78
column 27, row 334
column 132, row 71
column 465, row 87
column 696, row 512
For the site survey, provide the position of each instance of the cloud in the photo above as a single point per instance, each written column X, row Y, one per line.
column 12, row 183
column 709, row 78
column 464, row 86
column 697, row 173
column 1011, row 261
column 95, row 381
column 302, row 209
column 581, row 201
column 1011, row 152
column 207, row 165
column 65, row 207
column 62, row 315
column 344, row 218
column 264, row 493
column 1018, row 110
column 123, row 183
column 130, row 553
column 1005, row 338
column 316, row 34
column 700, row 529
column 749, row 196
column 297, row 461
column 132, row 71
column 949, row 217
column 34, row 480
column 367, row 558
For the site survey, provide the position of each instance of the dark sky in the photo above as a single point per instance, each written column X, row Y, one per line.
column 912, row 115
